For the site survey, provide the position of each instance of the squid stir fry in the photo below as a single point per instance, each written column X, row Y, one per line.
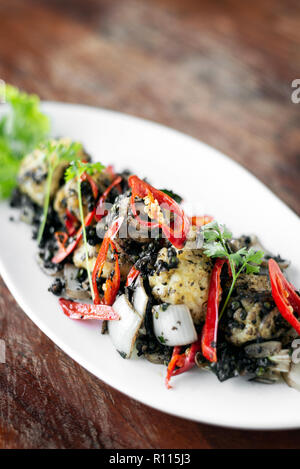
column 178, row 290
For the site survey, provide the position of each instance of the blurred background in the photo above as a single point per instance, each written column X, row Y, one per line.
column 218, row 70
column 221, row 71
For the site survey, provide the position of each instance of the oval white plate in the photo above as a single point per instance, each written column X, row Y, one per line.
column 213, row 184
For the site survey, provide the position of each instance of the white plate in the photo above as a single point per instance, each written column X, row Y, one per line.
column 215, row 185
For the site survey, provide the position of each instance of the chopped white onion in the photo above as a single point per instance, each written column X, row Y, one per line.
column 140, row 301
column 140, row 298
column 123, row 333
column 174, row 325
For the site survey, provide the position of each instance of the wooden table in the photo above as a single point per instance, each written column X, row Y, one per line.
column 220, row 71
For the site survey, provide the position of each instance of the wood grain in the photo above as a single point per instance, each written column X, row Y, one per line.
column 220, row 71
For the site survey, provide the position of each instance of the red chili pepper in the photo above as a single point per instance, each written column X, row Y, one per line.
column 63, row 253
column 112, row 285
column 100, row 212
column 284, row 295
column 182, row 362
column 133, row 274
column 201, row 220
column 87, row 311
column 189, row 358
column 71, row 222
column 101, row 258
column 210, row 329
column 87, row 177
column 177, row 359
column 176, row 235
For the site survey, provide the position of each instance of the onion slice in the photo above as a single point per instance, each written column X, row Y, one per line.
column 173, row 325
column 140, row 298
column 140, row 301
column 124, row 332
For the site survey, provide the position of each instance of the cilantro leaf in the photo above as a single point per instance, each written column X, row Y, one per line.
column 226, row 233
column 22, row 128
column 216, row 245
column 58, row 151
column 252, row 269
column 237, row 257
column 210, row 236
column 214, row 249
column 9, row 167
column 77, row 168
column 254, row 256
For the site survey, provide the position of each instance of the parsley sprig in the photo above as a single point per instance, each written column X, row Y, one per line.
column 55, row 153
column 75, row 171
column 216, row 245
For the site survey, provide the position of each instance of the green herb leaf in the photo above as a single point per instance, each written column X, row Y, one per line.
column 214, row 249
column 254, row 256
column 252, row 269
column 60, row 151
column 22, row 128
column 77, row 168
column 211, row 235
column 162, row 339
column 226, row 233
column 238, row 257
column 9, row 167
column 215, row 245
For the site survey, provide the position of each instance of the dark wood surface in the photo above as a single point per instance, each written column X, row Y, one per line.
column 218, row 70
